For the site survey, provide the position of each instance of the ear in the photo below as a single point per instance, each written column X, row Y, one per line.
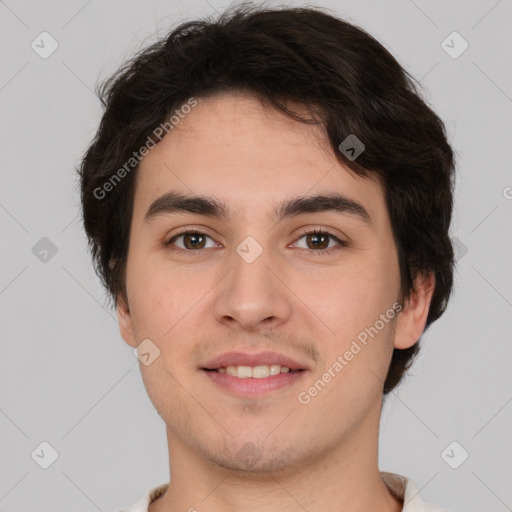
column 413, row 316
column 125, row 322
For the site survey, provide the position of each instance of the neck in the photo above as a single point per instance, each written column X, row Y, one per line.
column 343, row 478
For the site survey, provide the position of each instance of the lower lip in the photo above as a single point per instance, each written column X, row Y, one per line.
column 251, row 386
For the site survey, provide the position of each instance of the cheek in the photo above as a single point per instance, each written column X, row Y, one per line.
column 160, row 298
column 354, row 298
column 351, row 305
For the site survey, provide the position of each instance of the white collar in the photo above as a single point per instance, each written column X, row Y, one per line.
column 401, row 487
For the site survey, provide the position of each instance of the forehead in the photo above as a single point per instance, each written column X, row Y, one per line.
column 249, row 156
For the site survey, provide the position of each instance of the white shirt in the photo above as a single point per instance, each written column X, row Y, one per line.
column 400, row 486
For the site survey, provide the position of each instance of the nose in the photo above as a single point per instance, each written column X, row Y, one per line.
column 253, row 295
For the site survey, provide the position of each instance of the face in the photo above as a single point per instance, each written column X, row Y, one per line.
column 254, row 281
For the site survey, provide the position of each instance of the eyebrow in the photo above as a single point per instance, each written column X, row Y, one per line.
column 175, row 202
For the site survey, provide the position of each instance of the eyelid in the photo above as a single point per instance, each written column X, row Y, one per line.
column 319, row 230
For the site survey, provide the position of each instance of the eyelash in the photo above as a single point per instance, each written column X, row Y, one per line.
column 341, row 244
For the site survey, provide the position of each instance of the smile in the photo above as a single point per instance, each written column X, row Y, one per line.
column 256, row 372
column 247, row 381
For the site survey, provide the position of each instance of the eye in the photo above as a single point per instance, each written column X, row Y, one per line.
column 192, row 241
column 319, row 241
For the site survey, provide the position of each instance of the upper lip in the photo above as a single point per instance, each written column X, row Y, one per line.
column 244, row 359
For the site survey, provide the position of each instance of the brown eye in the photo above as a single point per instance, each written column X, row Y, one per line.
column 318, row 240
column 191, row 241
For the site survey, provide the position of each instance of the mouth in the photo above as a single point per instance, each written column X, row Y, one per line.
column 259, row 362
column 255, row 372
column 246, row 375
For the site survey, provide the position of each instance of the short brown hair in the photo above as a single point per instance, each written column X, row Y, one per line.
column 283, row 56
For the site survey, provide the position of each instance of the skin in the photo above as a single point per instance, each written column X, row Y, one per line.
column 319, row 456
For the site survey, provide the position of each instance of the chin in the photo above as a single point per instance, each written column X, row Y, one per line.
column 264, row 457
column 276, row 465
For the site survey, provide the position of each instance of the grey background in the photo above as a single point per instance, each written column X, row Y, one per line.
column 67, row 377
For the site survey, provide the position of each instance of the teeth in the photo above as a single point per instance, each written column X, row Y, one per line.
column 257, row 372
column 244, row 372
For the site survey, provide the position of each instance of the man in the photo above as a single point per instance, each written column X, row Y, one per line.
column 268, row 201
